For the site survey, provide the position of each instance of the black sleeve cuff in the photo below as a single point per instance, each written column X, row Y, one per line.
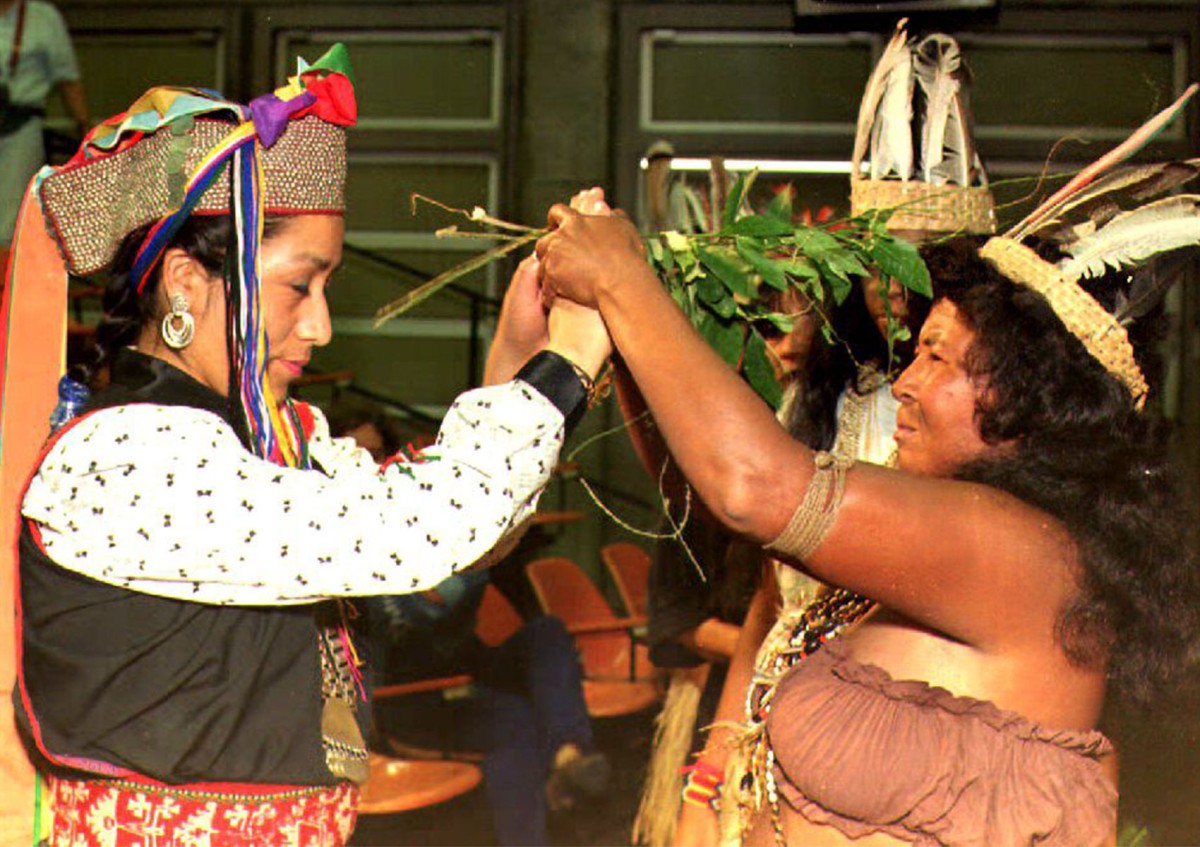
column 555, row 379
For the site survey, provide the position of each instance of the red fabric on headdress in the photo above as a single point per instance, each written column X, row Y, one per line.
column 335, row 98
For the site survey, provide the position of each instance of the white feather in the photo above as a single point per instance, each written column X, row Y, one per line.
column 1135, row 236
column 936, row 60
column 895, row 55
column 891, row 137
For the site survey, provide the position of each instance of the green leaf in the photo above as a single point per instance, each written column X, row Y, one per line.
column 726, row 307
column 839, row 284
column 655, row 250
column 685, row 259
column 811, row 240
column 709, row 289
column 725, row 337
column 802, row 268
column 770, row 270
column 781, row 206
column 757, row 367
column 845, row 264
column 718, row 264
column 900, row 260
column 779, row 320
column 760, row 226
column 733, row 201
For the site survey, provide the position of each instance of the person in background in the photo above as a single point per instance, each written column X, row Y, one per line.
column 525, row 711
column 700, row 588
column 843, row 403
column 36, row 57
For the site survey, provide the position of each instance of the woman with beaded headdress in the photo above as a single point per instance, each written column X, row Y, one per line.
column 178, row 668
column 1029, row 552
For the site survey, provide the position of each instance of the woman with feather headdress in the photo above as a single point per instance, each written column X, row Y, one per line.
column 1029, row 556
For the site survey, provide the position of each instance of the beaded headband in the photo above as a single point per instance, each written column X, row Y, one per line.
column 939, row 185
column 1105, row 239
column 181, row 151
column 93, row 204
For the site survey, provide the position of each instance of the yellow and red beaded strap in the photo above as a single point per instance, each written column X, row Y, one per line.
column 702, row 784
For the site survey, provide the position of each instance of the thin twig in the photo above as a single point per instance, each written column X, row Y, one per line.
column 428, row 289
column 477, row 215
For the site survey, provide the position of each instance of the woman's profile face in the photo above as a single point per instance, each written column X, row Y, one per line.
column 879, row 302
column 936, row 427
column 297, row 262
column 789, row 350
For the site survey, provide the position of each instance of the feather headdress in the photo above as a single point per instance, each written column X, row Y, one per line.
column 920, row 92
column 1101, row 220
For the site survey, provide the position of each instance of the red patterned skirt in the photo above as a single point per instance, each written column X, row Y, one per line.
column 120, row 813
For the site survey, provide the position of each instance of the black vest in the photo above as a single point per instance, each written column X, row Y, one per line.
column 177, row 691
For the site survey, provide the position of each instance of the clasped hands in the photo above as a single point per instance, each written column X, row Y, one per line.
column 551, row 300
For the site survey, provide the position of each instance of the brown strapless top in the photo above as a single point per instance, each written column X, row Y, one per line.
column 862, row 752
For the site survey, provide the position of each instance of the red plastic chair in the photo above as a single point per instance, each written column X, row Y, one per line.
column 618, row 676
column 497, row 620
column 629, row 566
column 400, row 785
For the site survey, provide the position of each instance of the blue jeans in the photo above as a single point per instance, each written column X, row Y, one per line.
column 528, row 702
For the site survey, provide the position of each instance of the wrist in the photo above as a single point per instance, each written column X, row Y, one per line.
column 588, row 361
column 556, row 379
column 625, row 289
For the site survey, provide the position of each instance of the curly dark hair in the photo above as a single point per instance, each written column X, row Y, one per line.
column 1084, row 454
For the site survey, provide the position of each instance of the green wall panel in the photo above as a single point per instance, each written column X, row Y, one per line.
column 1144, row 76
column 419, row 371
column 756, row 82
column 117, row 68
column 396, row 74
column 379, row 192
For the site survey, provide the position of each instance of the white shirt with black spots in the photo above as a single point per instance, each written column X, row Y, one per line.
column 164, row 500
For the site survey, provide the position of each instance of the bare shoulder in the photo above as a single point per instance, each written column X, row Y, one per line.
column 963, row 558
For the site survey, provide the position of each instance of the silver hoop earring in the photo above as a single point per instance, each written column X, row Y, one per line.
column 178, row 326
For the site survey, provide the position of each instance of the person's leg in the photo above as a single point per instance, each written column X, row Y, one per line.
column 540, row 661
column 21, row 154
column 514, row 767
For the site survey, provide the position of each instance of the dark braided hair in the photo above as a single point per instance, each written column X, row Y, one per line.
column 1083, row 454
column 206, row 238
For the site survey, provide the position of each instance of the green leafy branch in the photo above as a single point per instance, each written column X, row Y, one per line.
column 728, row 282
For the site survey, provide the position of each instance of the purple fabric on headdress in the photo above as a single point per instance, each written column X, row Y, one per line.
column 271, row 115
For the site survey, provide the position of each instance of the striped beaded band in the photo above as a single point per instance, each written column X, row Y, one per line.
column 94, row 204
column 702, row 785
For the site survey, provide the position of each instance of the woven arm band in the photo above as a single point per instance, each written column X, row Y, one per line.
column 818, row 510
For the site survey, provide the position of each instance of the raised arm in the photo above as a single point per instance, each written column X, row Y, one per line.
column 952, row 555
